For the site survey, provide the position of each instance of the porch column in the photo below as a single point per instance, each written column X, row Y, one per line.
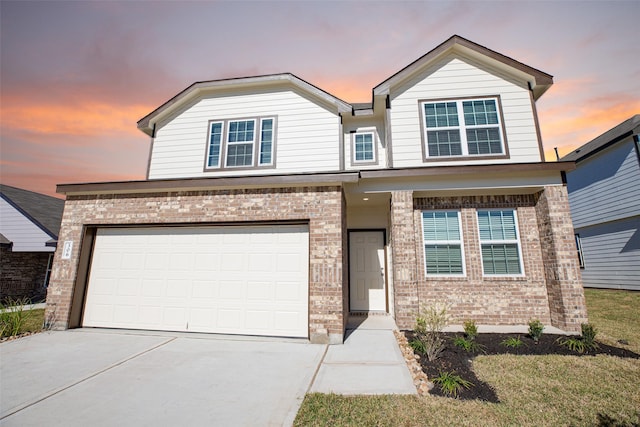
column 561, row 268
column 403, row 250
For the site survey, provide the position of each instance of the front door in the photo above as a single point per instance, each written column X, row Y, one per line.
column 367, row 271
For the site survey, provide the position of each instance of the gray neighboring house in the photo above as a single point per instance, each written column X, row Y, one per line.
column 29, row 227
column 604, row 194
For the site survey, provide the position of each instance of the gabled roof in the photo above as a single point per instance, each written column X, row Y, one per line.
column 625, row 129
column 146, row 123
column 44, row 211
column 539, row 81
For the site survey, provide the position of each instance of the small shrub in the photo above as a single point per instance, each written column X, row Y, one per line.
column 573, row 344
column 535, row 330
column 429, row 325
column 512, row 342
column 12, row 316
column 585, row 342
column 418, row 346
column 470, row 329
column 467, row 344
column 589, row 336
column 451, row 384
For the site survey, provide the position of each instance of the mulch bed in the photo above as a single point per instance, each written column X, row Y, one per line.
column 456, row 359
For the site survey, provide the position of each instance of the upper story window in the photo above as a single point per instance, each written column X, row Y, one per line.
column 363, row 147
column 499, row 242
column 462, row 127
column 241, row 143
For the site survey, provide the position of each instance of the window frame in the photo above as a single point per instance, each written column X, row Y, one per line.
column 516, row 241
column 374, row 143
column 449, row 242
column 462, row 129
column 256, row 149
column 579, row 250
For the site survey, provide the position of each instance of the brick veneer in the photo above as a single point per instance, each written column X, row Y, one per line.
column 550, row 289
column 322, row 207
column 22, row 274
column 403, row 243
column 561, row 265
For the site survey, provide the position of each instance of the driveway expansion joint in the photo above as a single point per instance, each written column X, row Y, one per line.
column 82, row 380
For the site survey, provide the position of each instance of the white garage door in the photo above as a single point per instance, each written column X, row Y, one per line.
column 230, row 280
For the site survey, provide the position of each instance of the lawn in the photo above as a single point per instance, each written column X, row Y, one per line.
column 533, row 390
column 32, row 321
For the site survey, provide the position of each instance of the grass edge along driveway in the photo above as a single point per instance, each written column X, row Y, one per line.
column 533, row 390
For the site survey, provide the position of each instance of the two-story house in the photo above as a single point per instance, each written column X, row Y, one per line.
column 604, row 195
column 272, row 207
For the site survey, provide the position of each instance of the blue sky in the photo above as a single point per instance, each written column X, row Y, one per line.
column 76, row 76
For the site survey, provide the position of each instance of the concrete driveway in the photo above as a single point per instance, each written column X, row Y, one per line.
column 103, row 378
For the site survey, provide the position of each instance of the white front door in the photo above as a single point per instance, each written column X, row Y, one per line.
column 367, row 271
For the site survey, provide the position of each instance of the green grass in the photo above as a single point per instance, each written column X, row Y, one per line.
column 616, row 316
column 33, row 321
column 533, row 390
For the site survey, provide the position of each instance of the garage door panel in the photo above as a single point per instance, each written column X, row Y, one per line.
column 236, row 280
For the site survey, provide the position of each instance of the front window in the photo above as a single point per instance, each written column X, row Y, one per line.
column 241, row 143
column 470, row 127
column 442, row 243
column 363, row 148
column 500, row 245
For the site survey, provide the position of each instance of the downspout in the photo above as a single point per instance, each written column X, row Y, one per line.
column 341, row 145
column 153, row 136
column 387, row 127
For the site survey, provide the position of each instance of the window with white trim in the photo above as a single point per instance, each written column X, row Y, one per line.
column 443, row 251
column 363, row 148
column 499, row 242
column 241, row 143
column 464, row 127
column 579, row 248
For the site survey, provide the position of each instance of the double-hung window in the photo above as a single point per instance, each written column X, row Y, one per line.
column 499, row 242
column 442, row 243
column 241, row 143
column 463, row 127
column 363, row 147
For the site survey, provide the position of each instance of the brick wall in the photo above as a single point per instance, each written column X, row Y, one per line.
column 322, row 207
column 403, row 242
column 546, row 253
column 22, row 274
column 561, row 265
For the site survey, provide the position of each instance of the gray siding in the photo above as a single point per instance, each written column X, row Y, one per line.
column 606, row 186
column 612, row 254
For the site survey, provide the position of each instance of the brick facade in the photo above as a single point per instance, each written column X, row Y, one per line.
column 561, row 265
column 22, row 274
column 550, row 289
column 322, row 207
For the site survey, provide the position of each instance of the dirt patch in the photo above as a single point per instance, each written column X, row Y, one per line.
column 456, row 359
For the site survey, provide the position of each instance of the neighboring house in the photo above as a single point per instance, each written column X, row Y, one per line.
column 604, row 194
column 271, row 207
column 29, row 226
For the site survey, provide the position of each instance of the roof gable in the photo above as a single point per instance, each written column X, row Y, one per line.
column 44, row 211
column 538, row 81
column 625, row 129
column 146, row 124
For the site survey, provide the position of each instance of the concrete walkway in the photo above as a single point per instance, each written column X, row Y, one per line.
column 369, row 362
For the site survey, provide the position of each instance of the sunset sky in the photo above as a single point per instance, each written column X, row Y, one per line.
column 77, row 76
